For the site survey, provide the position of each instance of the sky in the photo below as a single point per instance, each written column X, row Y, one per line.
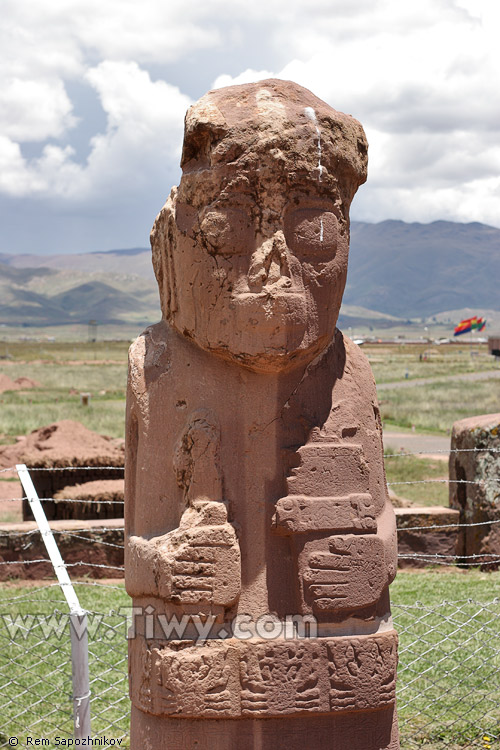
column 93, row 96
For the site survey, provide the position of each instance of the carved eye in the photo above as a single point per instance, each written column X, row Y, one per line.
column 312, row 232
column 228, row 231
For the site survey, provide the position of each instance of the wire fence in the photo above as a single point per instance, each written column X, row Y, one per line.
column 448, row 676
column 35, row 666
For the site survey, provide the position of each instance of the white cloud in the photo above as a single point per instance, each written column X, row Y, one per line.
column 145, row 125
column 34, row 110
column 143, row 136
column 422, row 78
column 423, row 81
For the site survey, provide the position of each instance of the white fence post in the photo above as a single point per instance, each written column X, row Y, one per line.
column 78, row 616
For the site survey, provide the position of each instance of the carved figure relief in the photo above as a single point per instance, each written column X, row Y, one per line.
column 262, row 678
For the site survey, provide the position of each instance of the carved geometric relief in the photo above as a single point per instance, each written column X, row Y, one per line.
column 194, row 681
column 225, row 679
column 329, row 470
column 341, row 573
column 297, row 514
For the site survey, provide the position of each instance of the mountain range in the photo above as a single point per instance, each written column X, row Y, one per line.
column 397, row 271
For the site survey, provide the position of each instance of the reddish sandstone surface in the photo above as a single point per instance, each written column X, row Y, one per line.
column 254, row 474
column 474, row 486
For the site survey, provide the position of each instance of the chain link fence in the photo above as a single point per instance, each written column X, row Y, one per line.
column 448, row 677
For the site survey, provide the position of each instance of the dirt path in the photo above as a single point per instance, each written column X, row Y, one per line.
column 486, row 375
column 413, row 442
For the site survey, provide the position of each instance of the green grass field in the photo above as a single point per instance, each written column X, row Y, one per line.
column 448, row 685
column 434, row 407
column 393, row 363
column 412, row 469
column 64, row 370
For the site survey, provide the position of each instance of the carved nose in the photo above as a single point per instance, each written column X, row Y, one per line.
column 269, row 265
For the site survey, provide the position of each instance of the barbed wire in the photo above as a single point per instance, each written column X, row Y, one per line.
column 72, row 532
column 65, row 500
column 448, row 481
column 404, row 454
column 401, row 454
column 430, row 560
column 454, row 557
column 65, row 565
column 479, row 482
column 62, row 531
column 93, row 541
column 446, row 525
column 74, row 468
column 65, row 468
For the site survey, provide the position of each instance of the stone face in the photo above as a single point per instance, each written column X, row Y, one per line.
column 475, row 486
column 255, row 486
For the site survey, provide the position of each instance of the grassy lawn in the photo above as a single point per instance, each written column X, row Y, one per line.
column 449, row 668
column 35, row 663
column 64, row 370
column 63, row 351
column 448, row 687
column 58, row 397
column 392, row 363
column 402, row 468
column 436, row 406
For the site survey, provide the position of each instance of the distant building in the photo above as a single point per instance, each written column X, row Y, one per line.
column 494, row 345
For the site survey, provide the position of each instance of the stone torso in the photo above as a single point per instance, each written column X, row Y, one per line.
column 265, row 498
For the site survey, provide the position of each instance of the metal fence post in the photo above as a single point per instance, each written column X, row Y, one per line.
column 80, row 674
column 78, row 616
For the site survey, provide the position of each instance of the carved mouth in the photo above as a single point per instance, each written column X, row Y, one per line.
column 269, row 293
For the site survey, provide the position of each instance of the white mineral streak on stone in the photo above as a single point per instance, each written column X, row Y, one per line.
column 311, row 115
column 321, row 229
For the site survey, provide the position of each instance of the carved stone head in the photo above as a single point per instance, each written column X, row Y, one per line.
column 250, row 251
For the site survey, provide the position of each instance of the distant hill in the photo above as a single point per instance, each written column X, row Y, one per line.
column 419, row 270
column 132, row 261
column 397, row 271
column 45, row 296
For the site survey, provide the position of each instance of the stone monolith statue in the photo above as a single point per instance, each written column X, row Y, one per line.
column 260, row 537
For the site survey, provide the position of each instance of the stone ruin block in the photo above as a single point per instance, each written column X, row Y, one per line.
column 475, row 487
column 426, row 533
column 57, row 455
column 88, row 543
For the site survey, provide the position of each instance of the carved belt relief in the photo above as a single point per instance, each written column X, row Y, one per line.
column 263, row 678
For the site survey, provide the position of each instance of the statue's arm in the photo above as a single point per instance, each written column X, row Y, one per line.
column 199, row 561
